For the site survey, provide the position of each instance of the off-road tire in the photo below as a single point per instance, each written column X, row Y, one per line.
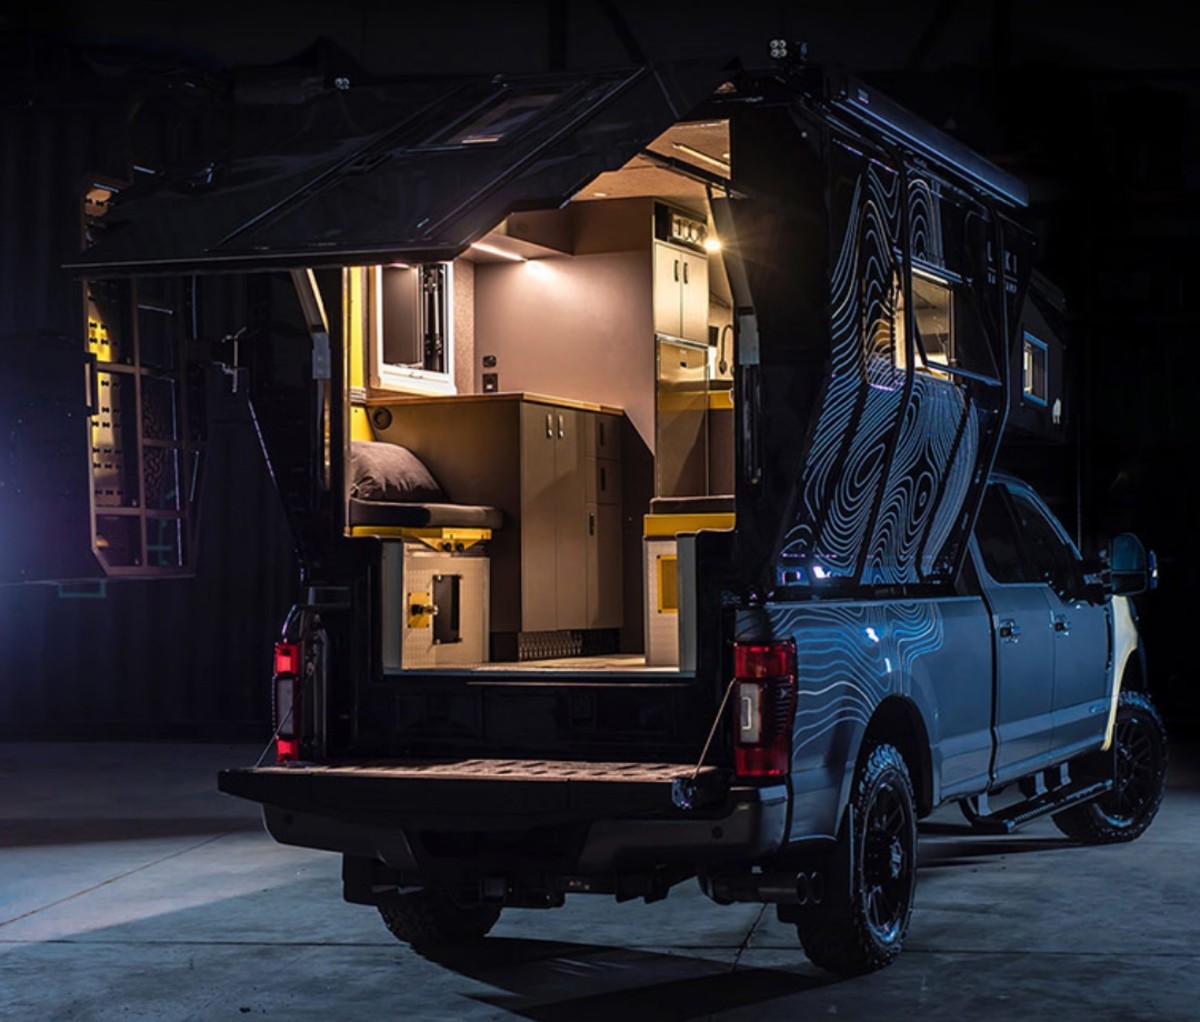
column 861, row 922
column 430, row 917
column 1140, row 766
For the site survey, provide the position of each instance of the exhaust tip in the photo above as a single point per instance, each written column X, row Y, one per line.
column 803, row 889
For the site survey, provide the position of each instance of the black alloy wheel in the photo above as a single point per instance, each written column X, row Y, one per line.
column 1137, row 764
column 888, row 866
column 861, row 923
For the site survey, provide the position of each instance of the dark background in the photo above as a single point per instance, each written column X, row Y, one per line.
column 1095, row 106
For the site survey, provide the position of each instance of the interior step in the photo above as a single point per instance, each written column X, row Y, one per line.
column 1007, row 820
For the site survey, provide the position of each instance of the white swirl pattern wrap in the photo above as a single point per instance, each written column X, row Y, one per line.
column 886, row 472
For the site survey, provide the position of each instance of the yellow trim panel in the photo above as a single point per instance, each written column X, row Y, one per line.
column 1124, row 644
column 435, row 539
column 663, row 526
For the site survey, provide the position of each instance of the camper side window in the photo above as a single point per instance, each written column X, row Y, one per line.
column 412, row 330
column 933, row 315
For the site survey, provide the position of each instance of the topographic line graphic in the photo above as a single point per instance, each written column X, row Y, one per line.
column 893, row 449
column 850, row 657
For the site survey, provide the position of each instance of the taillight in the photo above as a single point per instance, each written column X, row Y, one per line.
column 287, row 702
column 765, row 676
column 287, row 658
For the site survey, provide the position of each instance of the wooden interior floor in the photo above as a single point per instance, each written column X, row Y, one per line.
column 624, row 663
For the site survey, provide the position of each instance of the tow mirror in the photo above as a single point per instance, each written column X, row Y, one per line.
column 1133, row 571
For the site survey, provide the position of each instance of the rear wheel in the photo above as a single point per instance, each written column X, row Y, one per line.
column 860, row 926
column 1137, row 765
column 431, row 917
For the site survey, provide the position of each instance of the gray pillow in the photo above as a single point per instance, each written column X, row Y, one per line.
column 381, row 471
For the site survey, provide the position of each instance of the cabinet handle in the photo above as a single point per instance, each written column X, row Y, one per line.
column 561, row 432
column 676, row 269
column 591, row 523
column 685, row 266
column 549, row 425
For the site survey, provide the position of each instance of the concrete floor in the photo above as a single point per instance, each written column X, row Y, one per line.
column 130, row 889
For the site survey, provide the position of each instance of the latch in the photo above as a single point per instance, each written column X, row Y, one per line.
column 421, row 610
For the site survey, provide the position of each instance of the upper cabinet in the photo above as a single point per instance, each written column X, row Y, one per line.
column 680, row 274
column 680, row 292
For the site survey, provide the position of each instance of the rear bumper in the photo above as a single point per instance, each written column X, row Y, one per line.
column 600, row 817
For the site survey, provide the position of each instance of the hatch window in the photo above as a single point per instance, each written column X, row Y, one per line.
column 496, row 121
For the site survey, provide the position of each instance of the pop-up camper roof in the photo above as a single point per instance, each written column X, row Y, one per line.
column 420, row 169
column 416, row 170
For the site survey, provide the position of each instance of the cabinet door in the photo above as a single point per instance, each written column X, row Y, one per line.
column 694, row 298
column 571, row 520
column 539, row 519
column 668, row 278
column 604, row 566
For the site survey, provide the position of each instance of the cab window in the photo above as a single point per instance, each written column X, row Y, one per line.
column 996, row 533
column 1019, row 543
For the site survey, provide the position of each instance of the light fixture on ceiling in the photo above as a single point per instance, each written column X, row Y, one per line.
column 696, row 154
column 481, row 246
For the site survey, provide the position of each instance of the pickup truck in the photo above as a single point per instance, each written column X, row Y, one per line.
column 637, row 431
column 839, row 724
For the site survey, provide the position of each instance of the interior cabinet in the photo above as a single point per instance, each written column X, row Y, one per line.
column 554, row 469
column 680, row 292
column 554, row 523
column 570, row 519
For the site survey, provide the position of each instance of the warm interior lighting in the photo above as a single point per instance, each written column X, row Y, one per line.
column 712, row 243
column 481, row 246
column 696, row 154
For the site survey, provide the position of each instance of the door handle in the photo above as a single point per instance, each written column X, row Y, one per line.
column 591, row 523
column 1061, row 625
column 685, row 266
column 550, row 425
column 676, row 269
column 561, row 432
column 1010, row 631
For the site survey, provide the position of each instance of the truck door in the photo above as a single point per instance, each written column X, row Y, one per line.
column 1081, row 697
column 1022, row 638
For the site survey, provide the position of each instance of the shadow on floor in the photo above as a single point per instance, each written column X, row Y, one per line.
column 555, row 981
column 31, row 833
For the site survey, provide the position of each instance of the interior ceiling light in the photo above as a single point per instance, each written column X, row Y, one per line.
column 481, row 246
column 695, row 153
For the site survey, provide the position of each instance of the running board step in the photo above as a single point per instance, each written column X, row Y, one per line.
column 1007, row 820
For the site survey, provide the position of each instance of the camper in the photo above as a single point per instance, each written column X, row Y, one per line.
column 636, row 430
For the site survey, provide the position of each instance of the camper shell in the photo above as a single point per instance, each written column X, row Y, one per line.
column 602, row 407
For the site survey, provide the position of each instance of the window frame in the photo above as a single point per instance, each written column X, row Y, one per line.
column 403, row 379
column 1030, row 341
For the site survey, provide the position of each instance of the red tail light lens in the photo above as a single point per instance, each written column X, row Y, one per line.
column 765, row 674
column 287, row 658
column 287, row 702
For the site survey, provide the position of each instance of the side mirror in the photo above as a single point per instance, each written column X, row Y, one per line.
column 1133, row 570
